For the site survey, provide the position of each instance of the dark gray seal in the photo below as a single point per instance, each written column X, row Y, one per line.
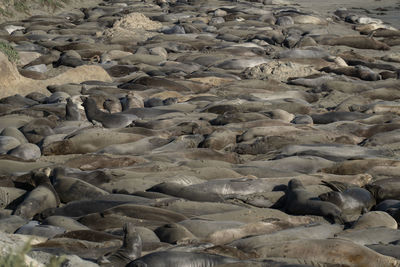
column 83, row 207
column 44, row 196
column 330, row 117
column 108, row 120
column 180, row 259
column 147, row 113
column 71, row 111
column 301, row 202
column 130, row 250
column 352, row 201
column 387, row 249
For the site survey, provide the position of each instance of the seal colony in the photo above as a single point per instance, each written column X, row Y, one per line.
column 202, row 133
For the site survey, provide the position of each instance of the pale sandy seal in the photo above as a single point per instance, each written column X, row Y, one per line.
column 385, row 189
column 360, row 42
column 326, row 251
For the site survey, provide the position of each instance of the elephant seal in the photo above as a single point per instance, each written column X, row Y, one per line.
column 34, row 228
column 144, row 213
column 387, row 249
column 385, row 189
column 116, row 120
column 390, row 206
column 326, row 252
column 70, row 189
column 375, row 219
column 71, row 111
column 26, row 151
column 83, row 207
column 361, row 42
column 301, row 202
column 14, row 132
column 147, row 113
column 362, row 72
column 317, row 231
column 65, row 222
column 334, row 116
column 173, row 233
column 214, row 190
column 370, row 236
column 180, row 259
column 352, row 201
column 130, row 250
column 44, row 196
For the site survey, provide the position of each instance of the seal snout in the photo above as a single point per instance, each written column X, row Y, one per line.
column 294, row 184
column 132, row 241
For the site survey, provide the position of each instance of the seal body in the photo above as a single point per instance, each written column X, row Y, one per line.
column 352, row 201
column 180, row 259
column 71, row 111
column 106, row 119
column 43, row 197
column 301, row 202
column 130, row 249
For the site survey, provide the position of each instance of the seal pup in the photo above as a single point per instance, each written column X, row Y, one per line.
column 130, row 250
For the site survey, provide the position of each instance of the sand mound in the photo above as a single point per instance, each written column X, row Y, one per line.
column 278, row 70
column 135, row 21
column 14, row 12
column 134, row 26
column 12, row 82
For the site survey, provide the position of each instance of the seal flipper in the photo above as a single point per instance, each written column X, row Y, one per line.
column 337, row 186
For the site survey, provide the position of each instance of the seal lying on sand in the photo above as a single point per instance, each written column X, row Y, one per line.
column 352, row 201
column 301, row 202
column 326, row 252
column 180, row 259
column 106, row 119
column 44, row 196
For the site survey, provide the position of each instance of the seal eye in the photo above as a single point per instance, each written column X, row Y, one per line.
column 380, row 194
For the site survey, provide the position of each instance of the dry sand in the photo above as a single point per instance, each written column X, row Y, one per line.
column 386, row 10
